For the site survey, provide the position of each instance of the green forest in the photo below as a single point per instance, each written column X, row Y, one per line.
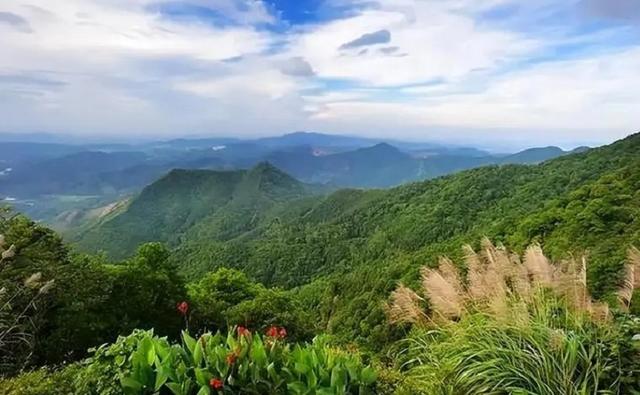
column 252, row 282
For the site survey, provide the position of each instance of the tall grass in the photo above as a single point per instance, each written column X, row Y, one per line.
column 512, row 325
column 18, row 307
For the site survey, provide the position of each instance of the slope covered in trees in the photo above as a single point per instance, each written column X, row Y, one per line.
column 345, row 251
column 228, row 202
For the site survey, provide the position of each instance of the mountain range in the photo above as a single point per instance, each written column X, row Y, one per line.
column 47, row 179
column 342, row 252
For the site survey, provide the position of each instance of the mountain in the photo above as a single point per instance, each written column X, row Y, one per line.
column 52, row 181
column 215, row 204
column 534, row 155
column 383, row 165
column 344, row 143
column 76, row 173
column 15, row 153
column 380, row 165
column 117, row 169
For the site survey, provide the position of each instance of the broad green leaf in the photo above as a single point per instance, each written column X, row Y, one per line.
column 204, row 390
column 160, row 380
column 175, row 388
column 189, row 341
column 197, row 354
column 301, row 368
column 202, row 376
column 128, row 382
column 338, row 377
column 368, row 375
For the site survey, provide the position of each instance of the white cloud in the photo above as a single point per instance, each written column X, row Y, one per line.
column 594, row 99
column 120, row 66
column 437, row 44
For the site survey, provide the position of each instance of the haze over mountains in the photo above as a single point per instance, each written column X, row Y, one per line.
column 34, row 169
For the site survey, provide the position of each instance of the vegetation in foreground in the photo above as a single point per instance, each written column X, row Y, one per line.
column 512, row 327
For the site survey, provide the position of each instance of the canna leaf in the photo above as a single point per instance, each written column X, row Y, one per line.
column 189, row 341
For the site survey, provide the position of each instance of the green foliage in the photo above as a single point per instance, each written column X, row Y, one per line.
column 43, row 382
column 23, row 295
column 216, row 292
column 548, row 355
column 245, row 363
column 271, row 307
column 227, row 297
column 96, row 302
column 92, row 302
column 349, row 249
column 338, row 257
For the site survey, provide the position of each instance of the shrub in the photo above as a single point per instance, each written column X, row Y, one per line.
column 43, row 382
column 239, row 363
column 508, row 326
column 227, row 297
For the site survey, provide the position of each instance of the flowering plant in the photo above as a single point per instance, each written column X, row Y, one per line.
column 241, row 363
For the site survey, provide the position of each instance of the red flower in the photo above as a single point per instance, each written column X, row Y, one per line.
column 231, row 358
column 272, row 331
column 183, row 308
column 242, row 331
column 216, row 384
column 277, row 332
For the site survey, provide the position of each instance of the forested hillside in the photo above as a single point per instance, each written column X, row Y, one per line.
column 228, row 202
column 348, row 249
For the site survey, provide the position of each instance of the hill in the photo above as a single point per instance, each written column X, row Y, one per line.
column 534, row 155
column 216, row 204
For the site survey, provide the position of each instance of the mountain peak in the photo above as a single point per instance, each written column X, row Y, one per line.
column 384, row 149
column 264, row 167
column 268, row 178
column 384, row 146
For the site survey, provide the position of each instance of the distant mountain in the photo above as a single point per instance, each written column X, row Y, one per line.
column 15, row 153
column 344, row 143
column 534, row 155
column 377, row 166
column 75, row 174
column 384, row 165
column 195, row 143
column 313, row 139
column 46, row 179
column 216, row 205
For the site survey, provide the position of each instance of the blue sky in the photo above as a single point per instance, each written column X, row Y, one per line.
column 493, row 73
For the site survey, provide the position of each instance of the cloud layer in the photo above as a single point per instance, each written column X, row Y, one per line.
column 495, row 72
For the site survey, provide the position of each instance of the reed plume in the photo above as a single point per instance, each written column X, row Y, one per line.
column 503, row 285
column 405, row 306
column 631, row 279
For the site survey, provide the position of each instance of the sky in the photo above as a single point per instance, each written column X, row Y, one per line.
column 500, row 73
